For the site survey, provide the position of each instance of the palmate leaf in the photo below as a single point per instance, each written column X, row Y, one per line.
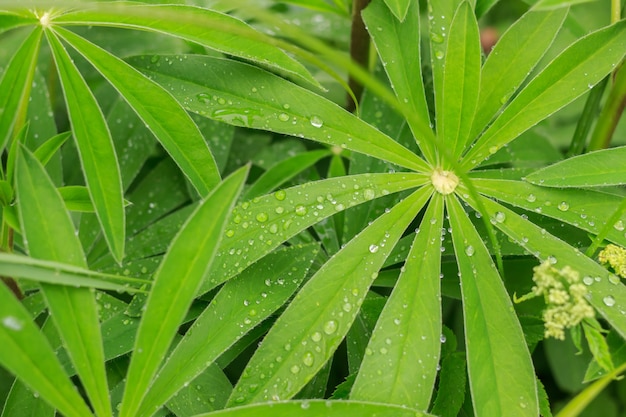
column 242, row 304
column 461, row 81
column 15, row 85
column 594, row 169
column 213, row 29
column 409, row 327
column 171, row 125
column 95, row 146
column 318, row 408
column 606, row 293
column 49, row 233
column 404, row 71
column 258, row 226
column 27, row 354
column 243, row 95
column 567, row 77
column 175, row 284
column 314, row 324
column 501, row 375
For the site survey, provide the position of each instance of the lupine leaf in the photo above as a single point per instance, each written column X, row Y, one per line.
column 314, row 324
column 260, row 100
column 95, row 146
column 406, row 342
column 175, row 284
column 50, row 235
column 493, row 336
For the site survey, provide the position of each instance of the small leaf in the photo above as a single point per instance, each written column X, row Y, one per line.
column 95, row 146
column 171, row 125
column 594, row 169
column 451, row 389
column 175, row 284
column 399, row 8
column 309, row 331
column 567, row 77
column 493, row 336
column 598, row 346
column 47, row 150
column 16, row 83
column 401, row 359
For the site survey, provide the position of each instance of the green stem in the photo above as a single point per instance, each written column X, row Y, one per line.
column 616, row 12
column 586, row 119
column 610, row 114
column 359, row 50
column 582, row 400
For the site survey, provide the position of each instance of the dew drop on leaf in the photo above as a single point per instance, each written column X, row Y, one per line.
column 262, row 217
column 283, row 117
column 439, row 54
column 330, row 327
column 619, row 226
column 12, row 323
column 308, row 359
column 316, row 337
column 369, row 194
column 301, row 210
column 469, row 250
column 587, row 280
column 280, row 195
column 531, row 198
column 373, row 248
column 316, row 121
column 294, row 369
column 609, row 301
column 500, row 217
column 563, row 206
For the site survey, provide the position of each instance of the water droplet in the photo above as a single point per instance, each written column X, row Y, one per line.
column 469, row 250
column 531, row 198
column 12, row 323
column 316, row 121
column 614, row 279
column 230, row 233
column 262, row 217
column 288, row 347
column 437, row 38
column 500, row 217
column 609, row 301
column 563, row 206
column 383, row 350
column 283, row 117
column 373, row 248
column 442, row 338
column 308, row 359
column 294, row 369
column 619, row 226
column 203, row 98
column 301, row 210
column 493, row 149
column 330, row 327
column 587, row 280
column 316, row 337
column 280, row 195
column 369, row 194
column 274, row 228
column 347, row 307
column 439, row 54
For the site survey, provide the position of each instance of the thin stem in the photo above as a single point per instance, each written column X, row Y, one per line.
column 616, row 12
column 611, row 113
column 588, row 116
column 359, row 50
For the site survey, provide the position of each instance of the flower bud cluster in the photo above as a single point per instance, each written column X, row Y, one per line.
column 564, row 294
column 614, row 257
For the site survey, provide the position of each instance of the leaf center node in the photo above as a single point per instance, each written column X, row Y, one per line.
column 445, row 182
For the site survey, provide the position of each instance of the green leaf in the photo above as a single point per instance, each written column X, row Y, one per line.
column 314, row 324
column 76, row 198
column 242, row 304
column 212, row 29
column 461, row 82
column 399, row 8
column 558, row 4
column 175, row 284
column 606, row 295
column 27, row 354
column 408, row 328
column 451, row 388
column 209, row 391
column 283, row 171
column 16, row 83
column 93, row 140
column 317, row 408
column 46, row 151
column 493, row 336
column 567, row 77
column 22, row 402
column 165, row 118
column 258, row 226
column 483, row 6
column 243, row 95
column 598, row 346
column 402, row 67
column 585, row 209
column 595, row 169
column 24, row 267
column 517, row 52
column 12, row 20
